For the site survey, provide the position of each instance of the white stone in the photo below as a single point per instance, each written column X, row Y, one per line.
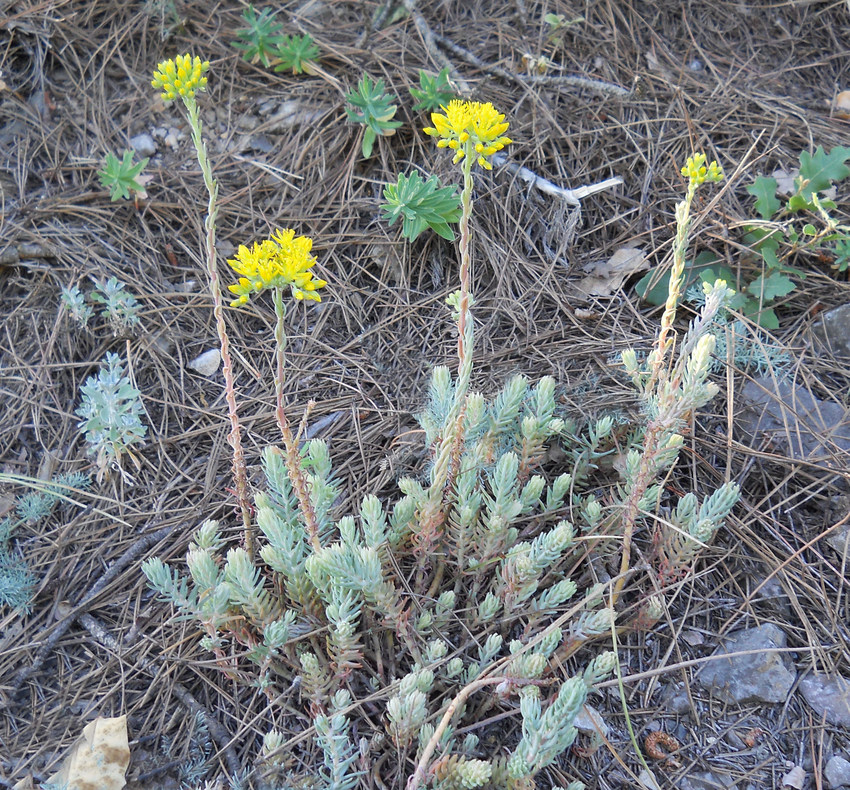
column 207, row 363
column 143, row 144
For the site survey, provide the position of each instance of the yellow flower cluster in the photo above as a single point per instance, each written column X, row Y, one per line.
column 469, row 127
column 697, row 173
column 182, row 76
column 282, row 261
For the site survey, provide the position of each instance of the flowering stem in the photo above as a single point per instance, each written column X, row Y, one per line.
column 465, row 263
column 674, row 292
column 234, row 438
column 291, row 456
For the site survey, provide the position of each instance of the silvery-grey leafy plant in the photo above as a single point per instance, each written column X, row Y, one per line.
column 111, row 410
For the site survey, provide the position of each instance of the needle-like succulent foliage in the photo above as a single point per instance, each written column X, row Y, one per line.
column 296, row 54
column 395, row 618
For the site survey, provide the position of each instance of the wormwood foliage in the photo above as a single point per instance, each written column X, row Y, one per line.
column 111, row 412
column 17, row 581
column 464, row 596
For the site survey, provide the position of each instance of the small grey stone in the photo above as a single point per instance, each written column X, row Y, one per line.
column 796, row 422
column 762, row 676
column 832, row 329
column 647, row 780
column 207, row 363
column 840, row 541
column 589, row 721
column 143, row 144
column 706, row 780
column 837, row 773
column 771, row 595
column 828, row 696
column 675, row 699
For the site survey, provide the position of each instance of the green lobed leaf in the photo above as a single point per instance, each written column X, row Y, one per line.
column 819, row 170
column 653, row 287
column 764, row 191
column 768, row 287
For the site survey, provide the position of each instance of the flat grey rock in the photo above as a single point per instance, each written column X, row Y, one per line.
column 707, row 780
column 828, row 696
column 760, row 676
column 792, row 421
column 839, row 540
column 832, row 329
column 837, row 773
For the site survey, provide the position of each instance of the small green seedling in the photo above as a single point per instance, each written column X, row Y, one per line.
column 119, row 177
column 421, row 204
column 433, row 92
column 261, row 38
column 296, row 53
column 374, row 109
column 558, row 24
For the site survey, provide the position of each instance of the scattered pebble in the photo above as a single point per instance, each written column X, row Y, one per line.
column 247, row 122
column 832, row 330
column 707, row 780
column 828, row 696
column 292, row 113
column 143, row 144
column 761, row 676
column 675, row 699
column 648, row 781
column 173, row 138
column 207, row 363
column 771, row 595
column 837, row 773
column 840, row 541
column 590, row 722
column 795, row 778
column 796, row 423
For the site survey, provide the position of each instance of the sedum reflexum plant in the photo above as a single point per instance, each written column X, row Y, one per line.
column 407, row 620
